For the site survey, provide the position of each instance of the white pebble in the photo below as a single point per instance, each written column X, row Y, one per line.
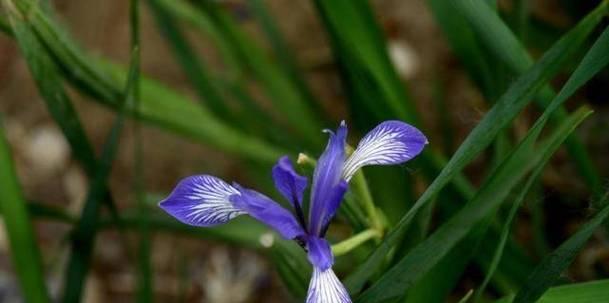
column 46, row 150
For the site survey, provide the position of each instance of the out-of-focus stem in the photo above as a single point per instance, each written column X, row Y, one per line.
column 348, row 245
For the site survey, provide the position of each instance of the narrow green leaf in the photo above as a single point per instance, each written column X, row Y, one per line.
column 589, row 292
column 50, row 86
column 464, row 44
column 493, row 192
column 159, row 105
column 295, row 105
column 374, row 89
column 498, row 38
column 186, row 56
column 24, row 251
column 83, row 238
column 281, row 50
column 132, row 93
column 507, row 107
column 594, row 61
column 244, row 232
column 292, row 265
column 551, row 267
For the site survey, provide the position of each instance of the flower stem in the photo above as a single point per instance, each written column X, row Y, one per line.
column 361, row 189
column 348, row 245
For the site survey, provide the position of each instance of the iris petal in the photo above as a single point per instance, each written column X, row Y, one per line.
column 289, row 183
column 319, row 252
column 326, row 177
column 334, row 198
column 201, row 201
column 391, row 142
column 326, row 288
column 267, row 211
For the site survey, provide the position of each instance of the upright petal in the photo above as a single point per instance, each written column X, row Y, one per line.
column 289, row 183
column 326, row 288
column 332, row 203
column 319, row 252
column 391, row 142
column 326, row 177
column 201, row 201
column 267, row 211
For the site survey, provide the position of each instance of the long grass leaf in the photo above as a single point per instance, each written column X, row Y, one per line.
column 422, row 258
column 132, row 92
column 507, row 107
column 500, row 40
column 83, row 239
column 593, row 62
column 295, row 105
column 159, row 105
column 283, row 53
column 374, row 89
column 588, row 292
column 550, row 268
column 193, row 66
column 24, row 251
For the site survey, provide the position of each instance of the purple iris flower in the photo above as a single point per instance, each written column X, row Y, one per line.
column 205, row 200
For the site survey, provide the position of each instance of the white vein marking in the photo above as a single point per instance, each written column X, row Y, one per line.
column 326, row 288
column 380, row 147
column 212, row 205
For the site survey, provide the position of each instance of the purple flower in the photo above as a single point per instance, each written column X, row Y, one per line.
column 205, row 200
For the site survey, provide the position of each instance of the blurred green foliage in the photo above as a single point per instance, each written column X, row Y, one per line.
column 423, row 244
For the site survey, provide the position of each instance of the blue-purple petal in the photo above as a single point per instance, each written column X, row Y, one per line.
column 327, row 175
column 319, row 252
column 267, row 211
column 326, row 288
column 333, row 202
column 201, row 201
column 391, row 142
column 288, row 182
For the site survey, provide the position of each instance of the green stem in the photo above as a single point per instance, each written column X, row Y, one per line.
column 348, row 245
column 362, row 191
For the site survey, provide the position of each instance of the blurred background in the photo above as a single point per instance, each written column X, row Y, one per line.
column 267, row 60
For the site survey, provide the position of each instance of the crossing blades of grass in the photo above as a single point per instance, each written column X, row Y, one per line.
column 25, row 254
column 594, row 61
column 422, row 258
column 83, row 240
column 464, row 44
column 50, row 86
column 550, row 268
column 506, row 108
column 191, row 64
column 283, row 53
column 504, row 44
column 374, row 89
column 589, row 292
column 160, row 106
column 295, row 105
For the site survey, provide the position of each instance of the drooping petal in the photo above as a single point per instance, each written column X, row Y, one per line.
column 391, row 142
column 319, row 252
column 327, row 175
column 267, row 211
column 201, row 201
column 288, row 182
column 326, row 288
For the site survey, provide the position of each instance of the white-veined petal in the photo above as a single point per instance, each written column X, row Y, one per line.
column 326, row 288
column 201, row 201
column 391, row 142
